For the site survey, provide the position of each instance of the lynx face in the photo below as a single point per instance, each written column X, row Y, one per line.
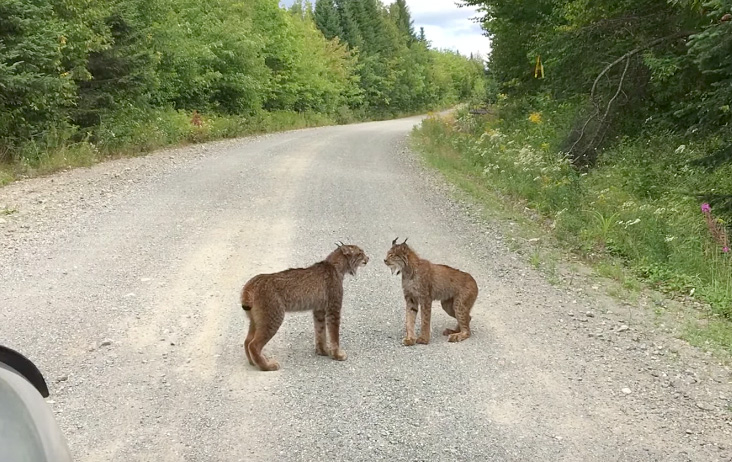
column 396, row 257
column 356, row 257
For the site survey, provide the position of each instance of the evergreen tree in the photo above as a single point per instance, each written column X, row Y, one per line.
column 327, row 19
column 400, row 14
column 422, row 37
column 347, row 14
column 33, row 88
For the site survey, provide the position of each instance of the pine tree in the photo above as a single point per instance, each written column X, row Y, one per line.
column 399, row 12
column 327, row 19
column 347, row 13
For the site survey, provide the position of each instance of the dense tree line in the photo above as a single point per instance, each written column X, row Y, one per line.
column 633, row 63
column 74, row 69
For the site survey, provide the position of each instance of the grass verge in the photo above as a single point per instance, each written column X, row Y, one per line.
column 632, row 218
column 136, row 131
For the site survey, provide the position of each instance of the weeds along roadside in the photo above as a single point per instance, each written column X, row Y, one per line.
column 640, row 216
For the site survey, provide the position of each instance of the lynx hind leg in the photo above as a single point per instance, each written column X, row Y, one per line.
column 266, row 326
column 250, row 336
column 462, row 313
column 321, row 344
column 447, row 305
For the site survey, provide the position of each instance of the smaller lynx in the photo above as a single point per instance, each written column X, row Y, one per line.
column 423, row 282
column 266, row 297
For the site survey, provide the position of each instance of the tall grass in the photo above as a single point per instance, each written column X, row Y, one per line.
column 136, row 131
column 640, row 206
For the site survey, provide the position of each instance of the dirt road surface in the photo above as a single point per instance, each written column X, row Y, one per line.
column 121, row 281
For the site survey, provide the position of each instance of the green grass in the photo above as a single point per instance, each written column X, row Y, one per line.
column 635, row 217
column 136, row 131
column 714, row 335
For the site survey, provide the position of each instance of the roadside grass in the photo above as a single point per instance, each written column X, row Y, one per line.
column 136, row 131
column 636, row 218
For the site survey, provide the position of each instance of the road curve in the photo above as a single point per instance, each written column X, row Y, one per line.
column 121, row 282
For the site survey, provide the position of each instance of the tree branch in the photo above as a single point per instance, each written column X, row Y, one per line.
column 604, row 72
column 634, row 52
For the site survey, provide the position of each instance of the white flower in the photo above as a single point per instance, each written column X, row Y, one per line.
column 670, row 238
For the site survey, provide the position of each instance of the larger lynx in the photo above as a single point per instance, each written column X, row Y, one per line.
column 266, row 297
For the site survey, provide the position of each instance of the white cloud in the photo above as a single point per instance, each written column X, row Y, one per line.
column 448, row 26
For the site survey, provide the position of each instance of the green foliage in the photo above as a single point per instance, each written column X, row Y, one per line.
column 327, row 19
column 679, row 53
column 397, row 73
column 711, row 51
column 124, row 75
column 34, row 87
column 210, row 57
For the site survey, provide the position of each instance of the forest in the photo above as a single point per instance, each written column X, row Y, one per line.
column 81, row 79
column 610, row 122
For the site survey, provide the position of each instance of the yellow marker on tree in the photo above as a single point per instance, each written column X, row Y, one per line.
column 539, row 68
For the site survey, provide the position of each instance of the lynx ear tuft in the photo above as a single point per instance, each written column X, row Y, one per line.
column 394, row 241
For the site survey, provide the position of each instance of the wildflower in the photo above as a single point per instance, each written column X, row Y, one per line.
column 670, row 238
column 535, row 117
column 631, row 223
column 716, row 227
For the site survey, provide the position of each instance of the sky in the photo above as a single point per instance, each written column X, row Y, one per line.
column 446, row 25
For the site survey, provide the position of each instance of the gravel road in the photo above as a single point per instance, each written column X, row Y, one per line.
column 121, row 281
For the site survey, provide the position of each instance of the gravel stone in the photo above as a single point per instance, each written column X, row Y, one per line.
column 182, row 229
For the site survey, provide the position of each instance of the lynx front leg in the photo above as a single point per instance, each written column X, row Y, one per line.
column 333, row 319
column 411, row 318
column 424, row 328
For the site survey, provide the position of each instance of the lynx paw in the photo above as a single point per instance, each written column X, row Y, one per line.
column 321, row 350
column 271, row 365
column 456, row 337
column 338, row 355
column 449, row 331
column 408, row 341
column 423, row 340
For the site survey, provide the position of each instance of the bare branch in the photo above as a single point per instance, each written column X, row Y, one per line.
column 593, row 98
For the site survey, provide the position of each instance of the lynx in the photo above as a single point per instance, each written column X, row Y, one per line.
column 423, row 282
column 318, row 288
